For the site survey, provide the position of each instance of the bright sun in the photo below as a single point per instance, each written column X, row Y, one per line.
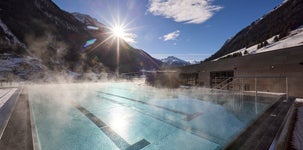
column 122, row 32
column 118, row 31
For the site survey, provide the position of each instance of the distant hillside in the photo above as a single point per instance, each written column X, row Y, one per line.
column 60, row 41
column 279, row 22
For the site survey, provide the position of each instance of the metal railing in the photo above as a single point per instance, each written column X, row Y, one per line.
column 232, row 80
column 7, row 83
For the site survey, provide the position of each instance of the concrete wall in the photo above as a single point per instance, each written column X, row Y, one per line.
column 285, row 62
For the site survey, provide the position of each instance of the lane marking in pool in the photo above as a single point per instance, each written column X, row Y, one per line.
column 174, row 123
column 119, row 141
column 188, row 117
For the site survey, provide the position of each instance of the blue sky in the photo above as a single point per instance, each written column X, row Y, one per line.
column 187, row 29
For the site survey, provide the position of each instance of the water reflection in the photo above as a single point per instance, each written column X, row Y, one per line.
column 119, row 121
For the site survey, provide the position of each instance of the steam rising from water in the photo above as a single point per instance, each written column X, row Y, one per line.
column 129, row 108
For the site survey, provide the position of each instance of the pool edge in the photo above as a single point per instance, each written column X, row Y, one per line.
column 35, row 139
column 240, row 140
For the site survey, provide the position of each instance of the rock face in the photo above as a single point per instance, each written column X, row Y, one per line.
column 283, row 19
column 61, row 41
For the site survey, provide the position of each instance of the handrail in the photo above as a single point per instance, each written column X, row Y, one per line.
column 216, row 86
column 225, row 85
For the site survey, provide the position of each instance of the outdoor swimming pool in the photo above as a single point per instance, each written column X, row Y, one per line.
column 132, row 115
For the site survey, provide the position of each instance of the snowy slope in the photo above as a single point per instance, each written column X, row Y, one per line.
column 295, row 38
column 14, row 67
column 10, row 37
column 88, row 20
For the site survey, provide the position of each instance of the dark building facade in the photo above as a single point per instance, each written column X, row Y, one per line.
column 275, row 71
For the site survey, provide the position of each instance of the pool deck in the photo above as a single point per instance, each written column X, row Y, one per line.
column 17, row 133
column 296, row 141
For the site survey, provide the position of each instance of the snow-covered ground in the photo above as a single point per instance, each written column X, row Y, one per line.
column 265, row 92
column 295, row 38
column 12, row 66
column 15, row 68
column 299, row 100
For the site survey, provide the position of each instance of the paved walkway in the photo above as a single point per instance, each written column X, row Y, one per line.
column 17, row 134
column 8, row 98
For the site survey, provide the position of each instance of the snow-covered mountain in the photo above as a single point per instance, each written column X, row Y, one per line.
column 39, row 31
column 88, row 20
column 193, row 62
column 22, row 67
column 172, row 61
column 282, row 21
column 295, row 38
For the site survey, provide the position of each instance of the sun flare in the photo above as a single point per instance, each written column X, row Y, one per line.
column 118, row 31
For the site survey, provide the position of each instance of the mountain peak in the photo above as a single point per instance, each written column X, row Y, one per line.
column 88, row 20
column 172, row 61
column 173, row 57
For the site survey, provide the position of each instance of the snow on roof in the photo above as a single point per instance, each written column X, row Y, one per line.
column 299, row 100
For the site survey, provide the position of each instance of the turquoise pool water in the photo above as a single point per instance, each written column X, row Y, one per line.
column 125, row 115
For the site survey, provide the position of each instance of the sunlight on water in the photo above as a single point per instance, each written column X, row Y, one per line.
column 119, row 121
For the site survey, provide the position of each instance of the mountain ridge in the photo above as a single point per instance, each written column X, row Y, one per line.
column 280, row 21
column 40, row 29
column 172, row 61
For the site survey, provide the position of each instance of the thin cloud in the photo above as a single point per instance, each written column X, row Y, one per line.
column 130, row 38
column 188, row 11
column 170, row 36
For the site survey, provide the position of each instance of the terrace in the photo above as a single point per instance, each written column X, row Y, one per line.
column 132, row 115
